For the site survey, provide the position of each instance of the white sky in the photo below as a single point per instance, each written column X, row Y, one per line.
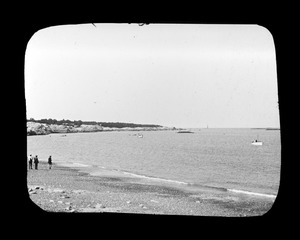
column 166, row 74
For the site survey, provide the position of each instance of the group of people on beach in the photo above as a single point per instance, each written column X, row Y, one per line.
column 35, row 160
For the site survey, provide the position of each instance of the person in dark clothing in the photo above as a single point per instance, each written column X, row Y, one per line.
column 30, row 161
column 36, row 162
column 50, row 162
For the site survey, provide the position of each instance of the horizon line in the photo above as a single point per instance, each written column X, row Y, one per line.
column 195, row 127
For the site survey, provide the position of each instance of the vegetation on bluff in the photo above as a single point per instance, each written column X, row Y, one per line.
column 67, row 122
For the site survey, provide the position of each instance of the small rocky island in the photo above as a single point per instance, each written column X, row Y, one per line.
column 48, row 126
column 184, row 131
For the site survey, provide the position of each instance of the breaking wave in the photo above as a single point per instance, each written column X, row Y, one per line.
column 252, row 193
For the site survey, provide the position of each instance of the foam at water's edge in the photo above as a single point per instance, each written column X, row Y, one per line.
column 72, row 164
column 252, row 193
column 118, row 171
column 154, row 178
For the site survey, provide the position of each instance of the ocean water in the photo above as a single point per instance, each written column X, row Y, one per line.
column 211, row 158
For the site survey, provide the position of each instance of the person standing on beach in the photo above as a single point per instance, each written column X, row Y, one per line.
column 30, row 161
column 50, row 162
column 36, row 162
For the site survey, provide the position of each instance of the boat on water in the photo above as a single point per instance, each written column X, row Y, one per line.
column 140, row 135
column 257, row 143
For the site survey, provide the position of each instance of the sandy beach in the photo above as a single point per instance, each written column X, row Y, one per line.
column 74, row 190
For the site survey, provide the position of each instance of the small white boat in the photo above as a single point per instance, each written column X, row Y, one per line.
column 257, row 143
column 140, row 135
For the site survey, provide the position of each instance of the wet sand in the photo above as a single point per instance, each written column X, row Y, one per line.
column 79, row 189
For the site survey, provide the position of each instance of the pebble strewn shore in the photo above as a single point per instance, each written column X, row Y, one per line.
column 64, row 189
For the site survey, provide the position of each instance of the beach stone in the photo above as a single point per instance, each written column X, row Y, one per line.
column 64, row 196
column 112, row 209
column 58, row 190
column 78, row 191
column 88, row 209
column 128, row 202
column 143, row 206
column 99, row 205
column 60, row 202
column 68, row 208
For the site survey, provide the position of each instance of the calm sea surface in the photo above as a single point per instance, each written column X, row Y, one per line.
column 220, row 158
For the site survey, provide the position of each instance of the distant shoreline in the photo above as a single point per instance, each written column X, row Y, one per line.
column 37, row 128
column 273, row 129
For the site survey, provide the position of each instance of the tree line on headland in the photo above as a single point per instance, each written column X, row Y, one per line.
column 67, row 122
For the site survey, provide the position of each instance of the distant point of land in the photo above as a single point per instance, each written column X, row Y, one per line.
column 265, row 128
column 79, row 123
column 48, row 126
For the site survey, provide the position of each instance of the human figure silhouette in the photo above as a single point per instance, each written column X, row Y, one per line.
column 36, row 162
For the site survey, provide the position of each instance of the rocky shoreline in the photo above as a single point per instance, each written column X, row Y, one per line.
column 35, row 128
